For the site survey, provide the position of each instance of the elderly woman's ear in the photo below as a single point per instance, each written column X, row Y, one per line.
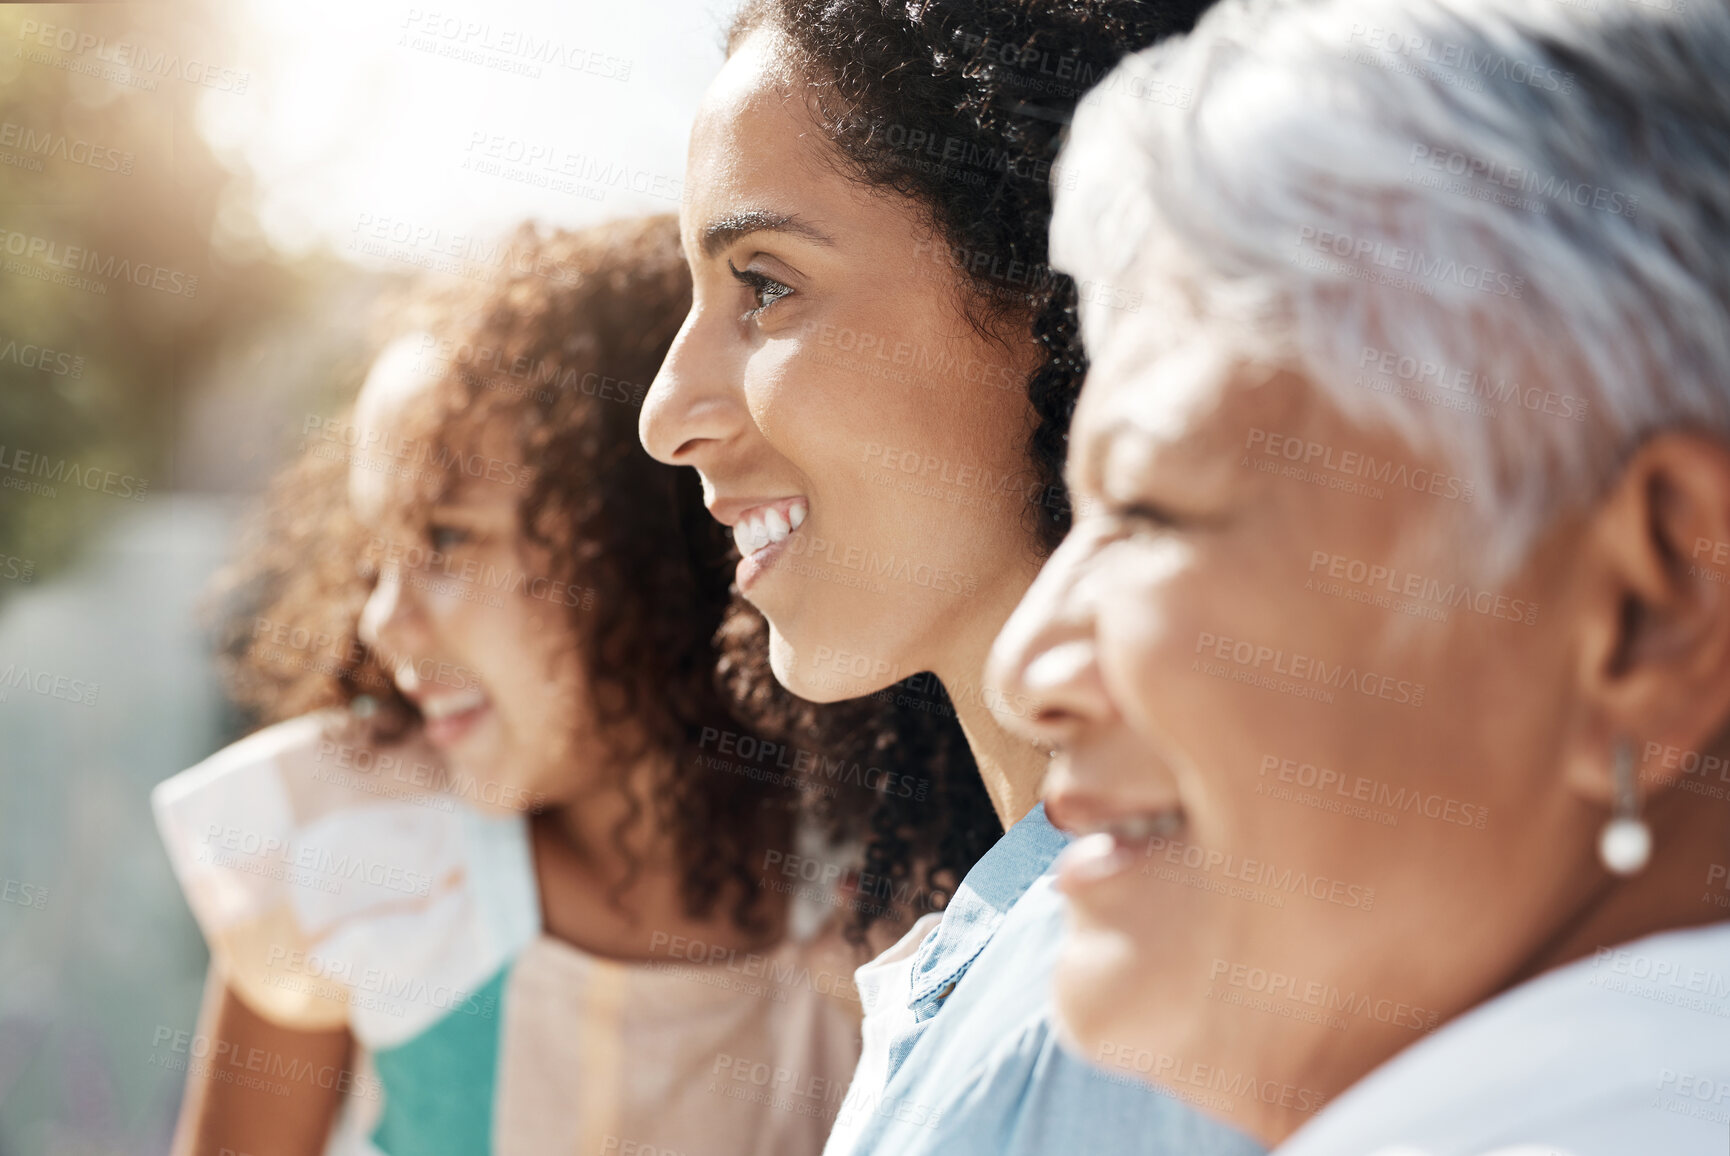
column 1653, row 612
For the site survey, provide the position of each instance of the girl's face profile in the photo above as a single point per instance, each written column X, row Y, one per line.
column 862, row 437
column 462, row 614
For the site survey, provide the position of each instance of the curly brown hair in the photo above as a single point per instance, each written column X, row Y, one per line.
column 986, row 88
column 558, row 349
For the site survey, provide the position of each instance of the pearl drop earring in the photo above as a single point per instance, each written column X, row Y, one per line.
column 1625, row 845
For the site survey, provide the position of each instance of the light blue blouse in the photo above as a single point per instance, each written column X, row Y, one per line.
column 967, row 1061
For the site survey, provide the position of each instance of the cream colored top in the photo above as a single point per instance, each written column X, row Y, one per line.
column 749, row 1054
column 332, row 892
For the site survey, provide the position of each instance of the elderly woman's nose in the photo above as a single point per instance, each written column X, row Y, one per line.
column 1045, row 658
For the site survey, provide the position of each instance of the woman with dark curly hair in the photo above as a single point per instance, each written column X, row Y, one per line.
column 516, row 854
column 874, row 384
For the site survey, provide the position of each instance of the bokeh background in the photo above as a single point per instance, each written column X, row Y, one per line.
column 243, row 182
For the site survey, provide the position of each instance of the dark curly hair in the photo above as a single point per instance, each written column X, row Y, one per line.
column 959, row 105
column 558, row 350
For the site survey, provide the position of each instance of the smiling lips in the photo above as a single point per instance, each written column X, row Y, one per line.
column 448, row 705
column 448, row 717
column 1110, row 849
column 760, row 527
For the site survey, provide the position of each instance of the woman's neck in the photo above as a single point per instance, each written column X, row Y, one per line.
column 1013, row 770
column 1688, row 841
column 586, row 851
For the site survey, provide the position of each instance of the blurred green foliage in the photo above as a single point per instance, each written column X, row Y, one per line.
column 107, row 158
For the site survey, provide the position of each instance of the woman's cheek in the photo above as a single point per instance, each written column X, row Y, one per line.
column 1153, row 621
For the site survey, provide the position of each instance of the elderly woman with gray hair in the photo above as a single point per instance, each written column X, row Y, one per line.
column 1388, row 662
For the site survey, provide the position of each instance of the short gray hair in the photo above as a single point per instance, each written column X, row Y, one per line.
column 1513, row 214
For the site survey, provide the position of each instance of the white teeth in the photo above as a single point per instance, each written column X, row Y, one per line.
column 1136, row 828
column 452, row 704
column 766, row 525
column 1151, row 826
column 750, row 535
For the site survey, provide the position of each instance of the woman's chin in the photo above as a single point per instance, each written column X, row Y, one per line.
column 476, row 779
column 1096, row 981
column 818, row 673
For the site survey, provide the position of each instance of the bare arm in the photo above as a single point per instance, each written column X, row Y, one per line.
column 226, row 1117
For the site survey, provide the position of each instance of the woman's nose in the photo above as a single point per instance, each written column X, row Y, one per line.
column 1045, row 660
column 692, row 405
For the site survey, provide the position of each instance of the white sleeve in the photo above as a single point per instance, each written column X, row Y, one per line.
column 331, row 897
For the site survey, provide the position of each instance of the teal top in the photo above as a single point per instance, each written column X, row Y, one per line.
column 438, row 1086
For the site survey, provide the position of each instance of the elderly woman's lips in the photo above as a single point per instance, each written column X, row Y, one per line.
column 1092, row 858
column 1114, row 850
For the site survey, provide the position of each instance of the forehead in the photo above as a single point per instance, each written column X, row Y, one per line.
column 397, row 389
column 401, row 444
column 757, row 148
column 750, row 124
column 1155, row 397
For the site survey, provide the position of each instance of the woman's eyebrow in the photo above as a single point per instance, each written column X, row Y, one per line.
column 720, row 233
column 1095, row 450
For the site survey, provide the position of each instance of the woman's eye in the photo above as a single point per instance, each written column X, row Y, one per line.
column 446, row 538
column 1145, row 517
column 765, row 290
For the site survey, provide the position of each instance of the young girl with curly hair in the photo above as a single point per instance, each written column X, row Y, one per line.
column 502, row 876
